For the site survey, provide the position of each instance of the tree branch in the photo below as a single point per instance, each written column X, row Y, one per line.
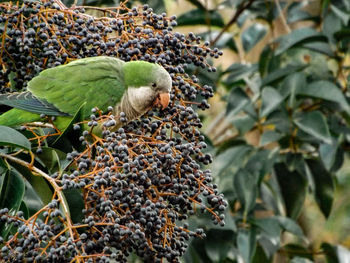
column 233, row 20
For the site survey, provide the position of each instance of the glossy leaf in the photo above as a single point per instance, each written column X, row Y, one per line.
column 321, row 47
column 246, row 243
column 264, row 60
column 296, row 37
column 200, row 17
column 54, row 159
column 11, row 196
column 326, row 90
column 324, row 186
column 270, row 228
column 260, row 256
column 328, row 153
column 271, row 99
column 344, row 16
column 314, row 123
column 269, row 137
column 245, row 186
column 75, row 201
column 62, row 142
column 238, row 72
column 279, row 74
column 295, row 13
column 37, row 183
column 289, row 225
column 293, row 188
column 291, row 86
column 252, row 35
column 225, row 41
column 237, row 100
column 11, row 137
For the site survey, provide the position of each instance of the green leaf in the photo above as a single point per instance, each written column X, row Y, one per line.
column 345, row 17
column 298, row 36
column 243, row 124
column 246, row 243
column 314, row 123
column 335, row 253
column 75, row 201
column 280, row 73
column 200, row 17
column 326, row 90
column 271, row 99
column 269, row 136
column 3, row 166
column 269, row 227
column 291, row 85
column 38, row 184
column 295, row 13
column 237, row 100
column 324, row 186
column 32, row 199
column 328, row 153
column 245, row 186
column 321, row 47
column 265, row 58
column 11, row 137
column 289, row 225
column 228, row 162
column 54, row 159
column 23, row 207
column 252, row 35
column 218, row 244
column 331, row 24
column 11, row 196
column 293, row 187
column 237, row 72
column 225, row 41
column 69, row 132
column 260, row 256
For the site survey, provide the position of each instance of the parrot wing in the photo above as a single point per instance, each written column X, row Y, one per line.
column 26, row 101
column 98, row 81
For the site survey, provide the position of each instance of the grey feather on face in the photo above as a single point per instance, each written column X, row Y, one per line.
column 163, row 80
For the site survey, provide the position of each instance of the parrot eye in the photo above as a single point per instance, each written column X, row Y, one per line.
column 154, row 85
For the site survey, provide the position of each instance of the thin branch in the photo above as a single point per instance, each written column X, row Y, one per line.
column 232, row 21
column 52, row 182
column 283, row 18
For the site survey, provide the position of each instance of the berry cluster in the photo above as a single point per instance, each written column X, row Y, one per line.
column 139, row 183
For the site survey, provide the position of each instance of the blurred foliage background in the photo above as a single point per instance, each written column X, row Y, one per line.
column 278, row 127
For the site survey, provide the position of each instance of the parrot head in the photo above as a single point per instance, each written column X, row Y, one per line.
column 147, row 85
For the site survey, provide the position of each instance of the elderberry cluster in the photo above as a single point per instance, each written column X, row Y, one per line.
column 139, row 183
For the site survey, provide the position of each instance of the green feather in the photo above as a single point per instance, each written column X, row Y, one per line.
column 17, row 117
column 98, row 81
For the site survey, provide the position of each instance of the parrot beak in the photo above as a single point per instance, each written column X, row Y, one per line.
column 163, row 100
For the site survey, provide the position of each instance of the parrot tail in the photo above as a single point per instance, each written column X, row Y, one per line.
column 17, row 117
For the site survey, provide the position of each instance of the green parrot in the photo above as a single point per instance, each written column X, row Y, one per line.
column 130, row 87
